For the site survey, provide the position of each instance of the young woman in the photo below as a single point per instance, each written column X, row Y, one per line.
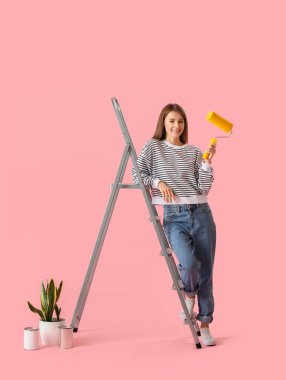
column 180, row 180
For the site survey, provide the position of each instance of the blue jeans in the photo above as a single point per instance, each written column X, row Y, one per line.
column 191, row 232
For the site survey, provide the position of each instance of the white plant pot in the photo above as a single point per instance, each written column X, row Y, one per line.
column 50, row 332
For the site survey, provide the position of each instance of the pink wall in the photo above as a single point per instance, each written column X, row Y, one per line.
column 62, row 61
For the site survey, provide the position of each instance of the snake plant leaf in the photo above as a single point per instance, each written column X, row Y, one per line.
column 58, row 312
column 48, row 285
column 44, row 299
column 51, row 294
column 59, row 289
column 35, row 310
column 47, row 292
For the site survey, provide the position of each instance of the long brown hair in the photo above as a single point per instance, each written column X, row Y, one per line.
column 160, row 132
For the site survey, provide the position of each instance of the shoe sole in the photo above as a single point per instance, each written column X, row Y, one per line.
column 209, row 345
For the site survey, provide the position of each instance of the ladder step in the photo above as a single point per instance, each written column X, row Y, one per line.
column 181, row 285
column 168, row 250
column 126, row 186
column 156, row 218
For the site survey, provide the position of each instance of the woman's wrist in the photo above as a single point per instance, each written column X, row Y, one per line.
column 206, row 166
column 155, row 183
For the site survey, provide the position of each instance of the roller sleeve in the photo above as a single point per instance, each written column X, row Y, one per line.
column 219, row 121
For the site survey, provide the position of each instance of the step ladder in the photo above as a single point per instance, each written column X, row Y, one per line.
column 166, row 251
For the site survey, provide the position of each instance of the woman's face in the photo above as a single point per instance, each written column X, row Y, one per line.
column 174, row 125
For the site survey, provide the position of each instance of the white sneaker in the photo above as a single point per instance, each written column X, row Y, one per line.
column 207, row 337
column 190, row 303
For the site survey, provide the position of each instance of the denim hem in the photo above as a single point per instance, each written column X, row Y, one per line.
column 205, row 319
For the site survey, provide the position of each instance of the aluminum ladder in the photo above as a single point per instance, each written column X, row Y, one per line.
column 166, row 251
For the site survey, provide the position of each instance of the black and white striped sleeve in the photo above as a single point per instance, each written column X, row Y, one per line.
column 204, row 174
column 144, row 163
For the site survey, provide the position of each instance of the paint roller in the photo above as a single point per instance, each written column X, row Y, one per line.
column 220, row 122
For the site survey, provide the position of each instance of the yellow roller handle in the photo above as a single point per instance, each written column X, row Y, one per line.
column 213, row 143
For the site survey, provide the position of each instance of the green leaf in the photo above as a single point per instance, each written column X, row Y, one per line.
column 58, row 312
column 35, row 310
column 51, row 294
column 59, row 291
column 44, row 299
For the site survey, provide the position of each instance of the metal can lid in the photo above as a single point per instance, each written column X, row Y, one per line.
column 65, row 327
column 31, row 328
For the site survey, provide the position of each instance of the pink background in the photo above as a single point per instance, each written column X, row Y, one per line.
column 61, row 62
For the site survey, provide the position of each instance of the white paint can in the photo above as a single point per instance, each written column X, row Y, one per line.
column 66, row 337
column 31, row 338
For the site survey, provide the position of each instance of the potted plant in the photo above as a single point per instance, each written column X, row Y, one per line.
column 49, row 326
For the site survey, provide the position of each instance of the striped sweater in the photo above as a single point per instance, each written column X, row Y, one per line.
column 180, row 167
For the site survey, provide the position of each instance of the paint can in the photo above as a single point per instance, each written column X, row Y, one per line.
column 66, row 337
column 31, row 338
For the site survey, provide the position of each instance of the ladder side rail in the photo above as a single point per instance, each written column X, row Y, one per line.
column 165, row 248
column 122, row 124
column 100, row 240
column 153, row 213
column 163, row 243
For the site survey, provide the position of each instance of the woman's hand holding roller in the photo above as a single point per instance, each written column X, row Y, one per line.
column 211, row 151
column 166, row 191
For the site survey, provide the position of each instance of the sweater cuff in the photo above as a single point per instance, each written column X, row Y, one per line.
column 206, row 166
column 155, row 183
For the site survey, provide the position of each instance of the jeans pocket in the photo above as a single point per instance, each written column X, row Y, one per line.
column 170, row 213
column 167, row 219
